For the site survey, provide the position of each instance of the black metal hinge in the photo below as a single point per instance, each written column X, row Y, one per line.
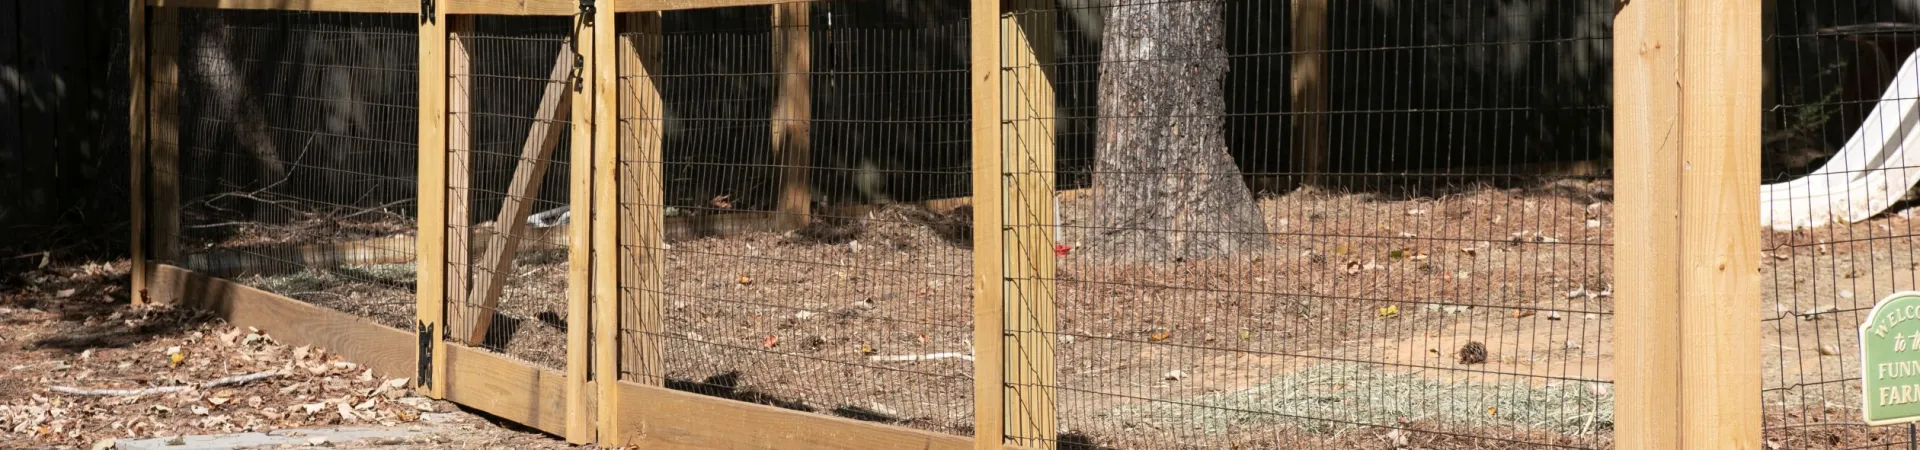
column 426, row 11
column 586, row 11
column 425, row 362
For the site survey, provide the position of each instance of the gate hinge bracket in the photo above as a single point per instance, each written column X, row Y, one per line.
column 586, row 12
column 426, row 11
column 425, row 362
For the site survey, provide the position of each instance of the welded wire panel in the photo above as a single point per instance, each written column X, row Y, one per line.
column 1373, row 237
column 297, row 159
column 861, row 309
column 512, row 149
column 1838, row 236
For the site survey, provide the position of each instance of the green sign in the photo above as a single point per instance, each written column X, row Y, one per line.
column 1890, row 361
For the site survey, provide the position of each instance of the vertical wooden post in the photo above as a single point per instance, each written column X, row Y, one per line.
column 1013, row 163
column 587, row 215
column 137, row 143
column 1308, row 86
column 793, row 113
column 1027, row 146
column 162, row 147
column 1687, row 116
column 459, row 219
column 431, row 297
column 989, row 290
column 163, row 139
column 642, row 218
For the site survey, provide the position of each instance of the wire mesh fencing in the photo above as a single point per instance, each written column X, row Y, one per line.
column 509, row 198
column 1838, row 235
column 1368, row 226
column 1227, row 222
column 796, row 166
column 293, row 150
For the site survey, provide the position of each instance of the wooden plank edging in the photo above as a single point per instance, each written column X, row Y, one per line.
column 663, row 418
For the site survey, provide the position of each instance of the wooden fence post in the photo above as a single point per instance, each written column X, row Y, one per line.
column 793, row 113
column 156, row 147
column 1308, row 86
column 459, row 163
column 430, row 242
column 137, row 144
column 1013, row 163
column 588, row 212
column 989, row 333
column 637, row 310
column 1687, row 132
column 164, row 134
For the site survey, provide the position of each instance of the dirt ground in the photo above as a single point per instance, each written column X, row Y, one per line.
column 70, row 325
column 1355, row 318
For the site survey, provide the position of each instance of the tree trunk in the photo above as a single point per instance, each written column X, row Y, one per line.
column 1167, row 189
column 234, row 99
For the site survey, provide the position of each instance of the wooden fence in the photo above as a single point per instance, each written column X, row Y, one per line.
column 1686, row 122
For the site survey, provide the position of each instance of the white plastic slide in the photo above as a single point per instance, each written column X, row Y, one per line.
column 1873, row 170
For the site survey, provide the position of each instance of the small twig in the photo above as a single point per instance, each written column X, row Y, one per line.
column 926, row 357
column 379, row 209
column 221, row 224
column 236, row 379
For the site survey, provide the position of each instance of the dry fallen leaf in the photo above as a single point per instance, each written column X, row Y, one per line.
column 1829, row 350
column 1389, row 311
column 770, row 341
column 1160, row 335
column 1519, row 313
column 744, row 280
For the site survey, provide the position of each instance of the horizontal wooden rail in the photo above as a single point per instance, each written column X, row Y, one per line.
column 673, row 419
column 477, row 7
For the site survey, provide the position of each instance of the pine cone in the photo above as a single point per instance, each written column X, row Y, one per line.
column 1473, row 353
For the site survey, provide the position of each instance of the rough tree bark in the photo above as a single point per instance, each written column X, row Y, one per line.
column 234, row 99
column 1167, row 189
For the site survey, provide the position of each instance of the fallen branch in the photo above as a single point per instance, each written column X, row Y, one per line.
column 236, row 379
column 926, row 357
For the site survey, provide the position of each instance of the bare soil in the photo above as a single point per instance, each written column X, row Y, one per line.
column 1353, row 320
